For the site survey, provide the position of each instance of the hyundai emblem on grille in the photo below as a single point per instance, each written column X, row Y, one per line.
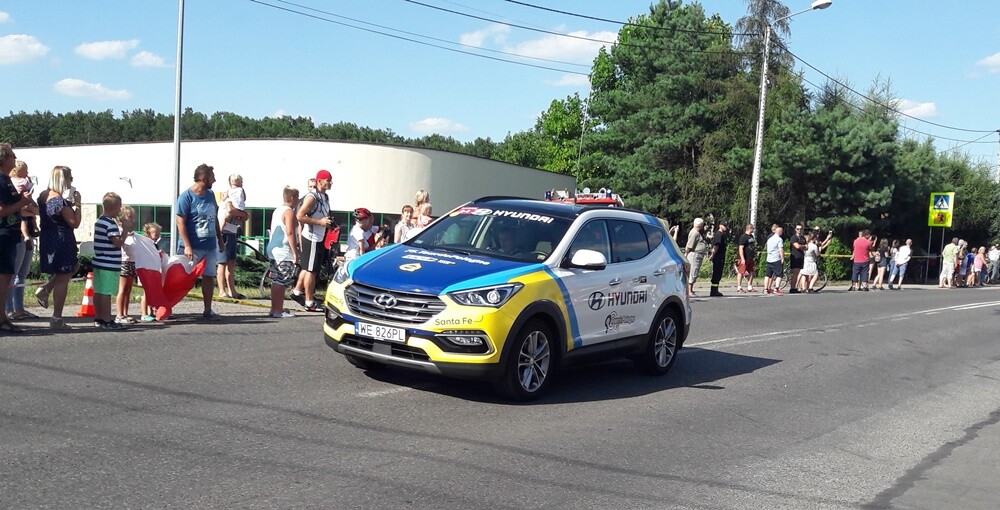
column 385, row 301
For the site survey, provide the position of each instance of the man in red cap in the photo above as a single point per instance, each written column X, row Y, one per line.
column 314, row 216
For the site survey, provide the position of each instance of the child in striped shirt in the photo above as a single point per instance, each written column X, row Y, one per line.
column 107, row 261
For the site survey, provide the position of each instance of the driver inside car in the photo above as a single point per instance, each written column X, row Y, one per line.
column 507, row 241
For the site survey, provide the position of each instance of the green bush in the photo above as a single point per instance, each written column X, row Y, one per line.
column 35, row 271
column 248, row 271
column 837, row 268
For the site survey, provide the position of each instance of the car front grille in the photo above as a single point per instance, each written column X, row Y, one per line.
column 409, row 308
column 394, row 350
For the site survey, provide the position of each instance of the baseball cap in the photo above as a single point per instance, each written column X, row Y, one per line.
column 323, row 175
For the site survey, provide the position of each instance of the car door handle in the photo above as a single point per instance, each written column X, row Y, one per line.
column 662, row 271
column 616, row 281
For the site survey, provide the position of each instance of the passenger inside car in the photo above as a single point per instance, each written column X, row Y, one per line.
column 593, row 236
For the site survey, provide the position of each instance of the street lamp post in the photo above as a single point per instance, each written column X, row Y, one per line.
column 174, row 234
column 758, row 148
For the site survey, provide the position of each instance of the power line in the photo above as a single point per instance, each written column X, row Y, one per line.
column 572, row 36
column 471, row 8
column 901, row 126
column 977, row 140
column 363, row 22
column 814, row 68
column 320, row 18
column 625, row 23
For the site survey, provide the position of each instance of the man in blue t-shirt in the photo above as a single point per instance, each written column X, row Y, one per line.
column 199, row 231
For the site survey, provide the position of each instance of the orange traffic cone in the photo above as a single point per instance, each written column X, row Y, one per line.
column 87, row 307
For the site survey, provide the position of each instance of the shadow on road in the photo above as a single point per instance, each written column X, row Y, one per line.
column 694, row 368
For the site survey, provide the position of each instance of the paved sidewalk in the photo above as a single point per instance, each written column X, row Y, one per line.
column 187, row 311
column 728, row 289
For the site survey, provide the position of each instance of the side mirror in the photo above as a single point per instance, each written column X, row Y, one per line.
column 588, row 259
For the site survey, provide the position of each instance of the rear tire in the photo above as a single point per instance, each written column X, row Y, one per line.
column 530, row 363
column 264, row 289
column 664, row 342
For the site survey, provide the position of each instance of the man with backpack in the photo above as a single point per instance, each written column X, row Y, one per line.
column 314, row 216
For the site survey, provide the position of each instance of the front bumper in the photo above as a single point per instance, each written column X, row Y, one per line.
column 413, row 358
column 423, row 350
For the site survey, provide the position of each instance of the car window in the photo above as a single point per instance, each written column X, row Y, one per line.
column 628, row 241
column 593, row 236
column 654, row 235
column 518, row 235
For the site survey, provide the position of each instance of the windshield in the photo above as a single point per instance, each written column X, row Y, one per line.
column 509, row 234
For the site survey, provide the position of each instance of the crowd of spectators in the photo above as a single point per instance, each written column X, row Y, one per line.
column 876, row 264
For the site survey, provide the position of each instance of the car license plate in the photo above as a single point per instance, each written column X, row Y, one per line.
column 380, row 332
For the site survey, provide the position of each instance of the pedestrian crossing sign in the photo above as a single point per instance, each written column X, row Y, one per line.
column 941, row 206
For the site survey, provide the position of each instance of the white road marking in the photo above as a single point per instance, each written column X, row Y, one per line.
column 973, row 307
column 380, row 393
column 792, row 333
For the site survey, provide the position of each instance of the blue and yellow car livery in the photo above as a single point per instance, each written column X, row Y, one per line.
column 450, row 300
column 434, row 331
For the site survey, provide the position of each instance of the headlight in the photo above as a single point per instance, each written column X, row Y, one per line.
column 494, row 296
column 341, row 275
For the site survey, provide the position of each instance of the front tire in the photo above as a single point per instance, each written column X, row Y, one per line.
column 664, row 341
column 530, row 363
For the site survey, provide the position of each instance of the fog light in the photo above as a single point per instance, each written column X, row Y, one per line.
column 331, row 313
column 465, row 340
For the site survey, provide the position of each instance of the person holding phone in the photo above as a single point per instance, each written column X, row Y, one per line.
column 59, row 211
column 11, row 203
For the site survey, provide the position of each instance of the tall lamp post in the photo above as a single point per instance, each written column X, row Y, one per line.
column 755, row 187
column 174, row 234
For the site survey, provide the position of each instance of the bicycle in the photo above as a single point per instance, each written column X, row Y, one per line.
column 326, row 271
column 821, row 278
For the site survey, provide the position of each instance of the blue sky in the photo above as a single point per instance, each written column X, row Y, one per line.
column 943, row 59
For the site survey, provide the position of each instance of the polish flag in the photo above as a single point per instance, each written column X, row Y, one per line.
column 164, row 280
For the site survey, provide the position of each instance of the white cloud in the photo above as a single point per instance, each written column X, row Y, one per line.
column 102, row 50
column 572, row 80
column 17, row 48
column 432, row 125
column 565, row 48
column 280, row 113
column 495, row 33
column 4, row 17
column 147, row 59
column 991, row 63
column 79, row 88
column 919, row 110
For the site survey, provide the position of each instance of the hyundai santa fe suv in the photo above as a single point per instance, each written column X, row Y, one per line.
column 507, row 290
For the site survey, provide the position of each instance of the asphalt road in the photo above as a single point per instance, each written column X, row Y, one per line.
column 833, row 400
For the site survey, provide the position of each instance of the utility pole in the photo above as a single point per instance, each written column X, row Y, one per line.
column 174, row 235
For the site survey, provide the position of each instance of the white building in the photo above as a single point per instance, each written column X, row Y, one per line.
column 380, row 177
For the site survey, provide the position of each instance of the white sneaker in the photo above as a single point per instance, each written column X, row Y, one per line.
column 285, row 314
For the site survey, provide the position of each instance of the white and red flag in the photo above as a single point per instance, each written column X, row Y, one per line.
column 165, row 280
